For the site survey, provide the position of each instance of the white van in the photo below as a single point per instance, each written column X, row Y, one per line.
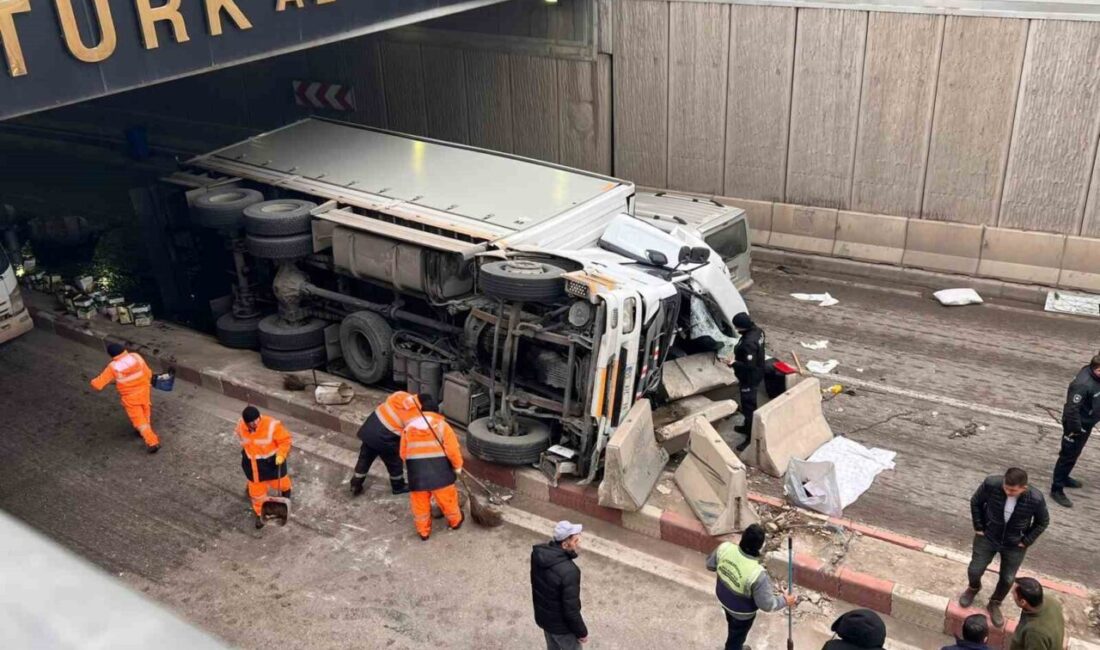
column 15, row 318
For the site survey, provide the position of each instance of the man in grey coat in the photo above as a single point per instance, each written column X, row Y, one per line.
column 743, row 586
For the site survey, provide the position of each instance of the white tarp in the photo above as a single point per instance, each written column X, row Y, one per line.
column 1069, row 302
column 856, row 466
column 822, row 299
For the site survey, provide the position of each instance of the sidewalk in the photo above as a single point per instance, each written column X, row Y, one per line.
column 839, row 558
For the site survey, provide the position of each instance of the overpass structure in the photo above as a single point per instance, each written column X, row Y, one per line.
column 65, row 51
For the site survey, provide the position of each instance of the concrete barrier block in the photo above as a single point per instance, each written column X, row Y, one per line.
column 1081, row 264
column 632, row 461
column 803, row 228
column 942, row 246
column 790, row 426
column 646, row 520
column 714, row 482
column 673, row 421
column 870, row 237
column 694, row 374
column 919, row 607
column 1022, row 256
column 759, row 215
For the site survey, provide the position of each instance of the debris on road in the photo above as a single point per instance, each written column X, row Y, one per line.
column 969, row 430
column 856, row 466
column 816, row 345
column 822, row 367
column 1070, row 302
column 822, row 299
column 957, row 297
column 333, row 393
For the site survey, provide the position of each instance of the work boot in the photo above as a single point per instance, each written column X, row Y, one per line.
column 357, row 485
column 967, row 597
column 995, row 614
column 744, row 445
column 259, row 522
column 286, row 494
column 152, row 449
column 1074, row 483
column 459, row 524
column 424, row 538
column 398, row 486
column 1060, row 498
column 743, row 429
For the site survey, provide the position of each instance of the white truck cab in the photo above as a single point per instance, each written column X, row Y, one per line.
column 15, row 318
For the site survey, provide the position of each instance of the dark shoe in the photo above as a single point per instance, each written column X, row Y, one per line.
column 399, row 487
column 1061, row 499
column 424, row 538
column 259, row 522
column 743, row 446
column 995, row 614
column 153, row 449
column 357, row 485
column 967, row 597
column 1074, row 484
column 741, row 428
column 459, row 524
column 286, row 494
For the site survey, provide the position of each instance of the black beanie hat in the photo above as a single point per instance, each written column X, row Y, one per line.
column 250, row 414
column 742, row 321
column 114, row 349
column 862, row 628
column 427, row 402
column 752, row 540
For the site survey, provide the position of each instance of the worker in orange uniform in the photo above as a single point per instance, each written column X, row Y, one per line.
column 134, row 381
column 381, row 437
column 265, row 444
column 433, row 461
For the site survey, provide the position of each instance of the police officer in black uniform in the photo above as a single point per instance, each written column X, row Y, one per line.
column 1079, row 416
column 748, row 365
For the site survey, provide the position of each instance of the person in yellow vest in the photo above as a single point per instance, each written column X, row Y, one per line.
column 743, row 586
column 381, row 436
column 265, row 444
column 133, row 380
column 433, row 461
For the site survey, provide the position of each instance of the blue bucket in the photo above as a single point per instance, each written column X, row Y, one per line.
column 164, row 381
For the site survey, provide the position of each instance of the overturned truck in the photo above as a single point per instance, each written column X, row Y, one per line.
column 526, row 295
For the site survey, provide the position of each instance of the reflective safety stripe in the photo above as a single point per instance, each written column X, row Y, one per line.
column 430, row 454
column 126, row 379
column 422, row 444
column 144, row 427
column 260, row 456
column 127, row 369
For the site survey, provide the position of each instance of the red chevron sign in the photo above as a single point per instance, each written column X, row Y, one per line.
column 334, row 97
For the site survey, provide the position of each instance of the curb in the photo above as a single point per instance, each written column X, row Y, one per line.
column 922, row 608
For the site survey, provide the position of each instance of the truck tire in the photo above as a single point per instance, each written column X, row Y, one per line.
column 238, row 333
column 522, row 280
column 366, row 340
column 289, row 360
column 280, row 248
column 223, row 208
column 277, row 334
column 279, row 217
column 522, row 449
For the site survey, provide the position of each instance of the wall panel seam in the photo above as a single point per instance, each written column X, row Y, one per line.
column 858, row 111
column 790, row 106
column 726, row 99
column 1024, row 58
column 931, row 122
column 1092, row 172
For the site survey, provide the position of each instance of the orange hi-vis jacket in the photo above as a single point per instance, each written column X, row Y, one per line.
column 398, row 410
column 259, row 448
column 431, row 453
column 132, row 378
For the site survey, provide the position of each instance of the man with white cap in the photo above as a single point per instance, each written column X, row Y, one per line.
column 556, row 588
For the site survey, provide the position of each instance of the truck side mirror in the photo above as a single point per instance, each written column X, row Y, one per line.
column 699, row 255
column 685, row 255
column 657, row 258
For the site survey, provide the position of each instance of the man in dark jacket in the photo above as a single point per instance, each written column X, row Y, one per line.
column 1008, row 517
column 556, row 588
column 748, row 366
column 1079, row 416
column 975, row 631
column 859, row 629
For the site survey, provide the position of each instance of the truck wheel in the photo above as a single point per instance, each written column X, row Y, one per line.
column 223, row 208
column 522, row 280
column 280, row 248
column 366, row 340
column 279, row 217
column 277, row 334
column 289, row 360
column 521, row 449
column 238, row 333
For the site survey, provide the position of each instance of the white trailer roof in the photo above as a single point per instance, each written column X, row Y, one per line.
column 492, row 192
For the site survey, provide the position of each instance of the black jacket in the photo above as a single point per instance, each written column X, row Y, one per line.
column 748, row 357
column 556, row 590
column 987, row 510
column 859, row 629
column 1080, row 413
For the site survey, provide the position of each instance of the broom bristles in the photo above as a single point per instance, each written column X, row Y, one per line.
column 485, row 514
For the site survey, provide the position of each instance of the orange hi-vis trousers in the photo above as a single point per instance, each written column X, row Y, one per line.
column 258, row 491
column 141, row 418
column 421, row 503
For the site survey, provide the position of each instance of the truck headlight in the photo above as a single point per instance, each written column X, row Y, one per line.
column 17, row 305
column 629, row 306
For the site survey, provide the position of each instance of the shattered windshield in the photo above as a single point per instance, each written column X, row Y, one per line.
column 704, row 325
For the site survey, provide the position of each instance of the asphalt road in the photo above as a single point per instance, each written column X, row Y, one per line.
column 344, row 573
column 917, row 353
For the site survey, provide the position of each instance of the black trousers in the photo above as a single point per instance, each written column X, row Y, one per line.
column 390, row 455
column 738, row 631
column 1073, row 443
column 980, row 558
column 749, row 400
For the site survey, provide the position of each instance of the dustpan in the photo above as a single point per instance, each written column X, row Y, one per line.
column 276, row 509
